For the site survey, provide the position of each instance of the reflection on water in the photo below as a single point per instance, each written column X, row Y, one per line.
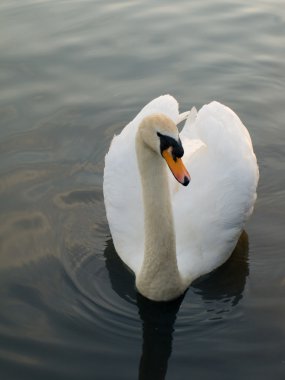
column 158, row 320
column 72, row 74
column 225, row 285
column 228, row 281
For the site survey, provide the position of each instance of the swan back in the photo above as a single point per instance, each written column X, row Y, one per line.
column 222, row 193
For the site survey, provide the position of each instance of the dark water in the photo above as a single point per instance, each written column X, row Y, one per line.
column 73, row 73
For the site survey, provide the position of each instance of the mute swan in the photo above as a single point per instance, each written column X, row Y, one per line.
column 168, row 234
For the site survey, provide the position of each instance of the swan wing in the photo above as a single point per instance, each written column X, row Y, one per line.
column 211, row 212
column 122, row 186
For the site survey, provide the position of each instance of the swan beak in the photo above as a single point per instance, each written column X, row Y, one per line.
column 176, row 166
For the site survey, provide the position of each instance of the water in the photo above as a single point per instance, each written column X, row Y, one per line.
column 73, row 73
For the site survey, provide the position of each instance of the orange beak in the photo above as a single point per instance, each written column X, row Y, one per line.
column 176, row 166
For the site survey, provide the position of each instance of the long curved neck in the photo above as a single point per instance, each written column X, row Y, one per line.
column 159, row 277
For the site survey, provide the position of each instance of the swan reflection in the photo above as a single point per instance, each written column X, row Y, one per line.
column 228, row 281
column 158, row 319
column 225, row 285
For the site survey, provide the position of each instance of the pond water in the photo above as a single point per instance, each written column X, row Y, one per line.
column 72, row 74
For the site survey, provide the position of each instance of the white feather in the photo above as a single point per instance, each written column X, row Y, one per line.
column 210, row 213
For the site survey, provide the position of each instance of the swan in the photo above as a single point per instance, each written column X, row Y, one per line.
column 166, row 233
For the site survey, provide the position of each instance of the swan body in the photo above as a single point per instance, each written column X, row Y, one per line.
column 169, row 234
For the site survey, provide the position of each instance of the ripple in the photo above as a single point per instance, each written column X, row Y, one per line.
column 73, row 74
column 80, row 196
column 101, row 304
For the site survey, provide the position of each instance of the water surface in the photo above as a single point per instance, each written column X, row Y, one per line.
column 72, row 74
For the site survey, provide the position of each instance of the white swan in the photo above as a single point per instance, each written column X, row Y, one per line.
column 169, row 234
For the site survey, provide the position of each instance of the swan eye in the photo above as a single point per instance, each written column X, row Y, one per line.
column 167, row 142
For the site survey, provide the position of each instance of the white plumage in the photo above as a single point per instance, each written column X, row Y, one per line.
column 211, row 212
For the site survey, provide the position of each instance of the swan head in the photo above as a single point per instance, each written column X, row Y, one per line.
column 161, row 135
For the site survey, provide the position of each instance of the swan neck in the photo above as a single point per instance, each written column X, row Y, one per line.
column 159, row 277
